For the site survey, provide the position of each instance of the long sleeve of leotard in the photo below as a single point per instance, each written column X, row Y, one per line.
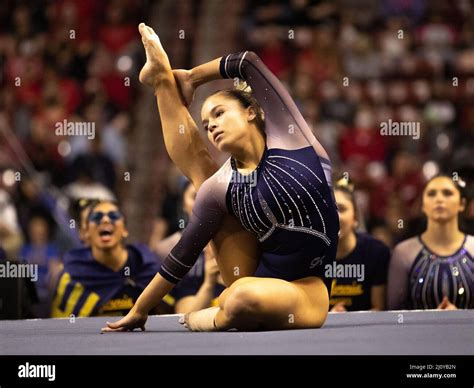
column 285, row 127
column 204, row 223
column 402, row 260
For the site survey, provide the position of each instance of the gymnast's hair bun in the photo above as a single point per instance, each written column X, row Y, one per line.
column 243, row 86
column 344, row 183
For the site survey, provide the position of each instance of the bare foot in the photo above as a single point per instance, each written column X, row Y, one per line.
column 157, row 62
column 202, row 320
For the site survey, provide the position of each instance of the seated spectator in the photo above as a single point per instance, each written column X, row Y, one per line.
column 170, row 216
column 368, row 256
column 435, row 270
column 107, row 277
column 203, row 284
column 17, row 294
column 363, row 142
column 96, row 164
column 41, row 251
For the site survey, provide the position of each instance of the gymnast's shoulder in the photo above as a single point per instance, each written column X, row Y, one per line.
column 221, row 178
column 469, row 244
column 408, row 247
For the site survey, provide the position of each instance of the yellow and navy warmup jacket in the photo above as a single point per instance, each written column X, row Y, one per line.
column 191, row 284
column 87, row 288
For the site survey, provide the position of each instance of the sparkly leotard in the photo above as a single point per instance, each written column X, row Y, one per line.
column 419, row 279
column 287, row 201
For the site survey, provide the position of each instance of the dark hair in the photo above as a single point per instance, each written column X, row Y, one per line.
column 460, row 186
column 79, row 205
column 46, row 217
column 246, row 99
column 458, row 183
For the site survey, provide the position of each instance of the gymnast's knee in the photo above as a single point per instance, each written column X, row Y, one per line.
column 224, row 295
column 242, row 301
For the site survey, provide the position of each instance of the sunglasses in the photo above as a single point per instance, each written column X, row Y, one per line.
column 113, row 215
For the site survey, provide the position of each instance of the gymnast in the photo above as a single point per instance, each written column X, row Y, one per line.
column 435, row 270
column 277, row 184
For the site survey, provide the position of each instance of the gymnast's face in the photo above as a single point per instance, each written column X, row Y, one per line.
column 226, row 122
column 347, row 218
column 442, row 200
column 106, row 226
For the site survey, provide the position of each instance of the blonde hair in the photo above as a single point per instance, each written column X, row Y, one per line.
column 243, row 86
column 346, row 186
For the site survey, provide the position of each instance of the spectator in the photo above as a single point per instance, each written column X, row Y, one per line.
column 363, row 142
column 97, row 164
column 107, row 277
column 39, row 250
column 170, row 218
column 80, row 211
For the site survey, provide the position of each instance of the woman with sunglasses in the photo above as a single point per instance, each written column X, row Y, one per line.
column 106, row 277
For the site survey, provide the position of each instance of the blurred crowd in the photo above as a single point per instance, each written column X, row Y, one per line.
column 62, row 62
column 350, row 65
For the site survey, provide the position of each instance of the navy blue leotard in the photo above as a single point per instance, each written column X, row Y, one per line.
column 419, row 279
column 287, row 201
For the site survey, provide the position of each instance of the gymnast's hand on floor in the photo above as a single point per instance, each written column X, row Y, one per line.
column 185, row 85
column 157, row 62
column 133, row 320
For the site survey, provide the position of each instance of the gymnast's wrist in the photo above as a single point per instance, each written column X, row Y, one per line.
column 141, row 308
